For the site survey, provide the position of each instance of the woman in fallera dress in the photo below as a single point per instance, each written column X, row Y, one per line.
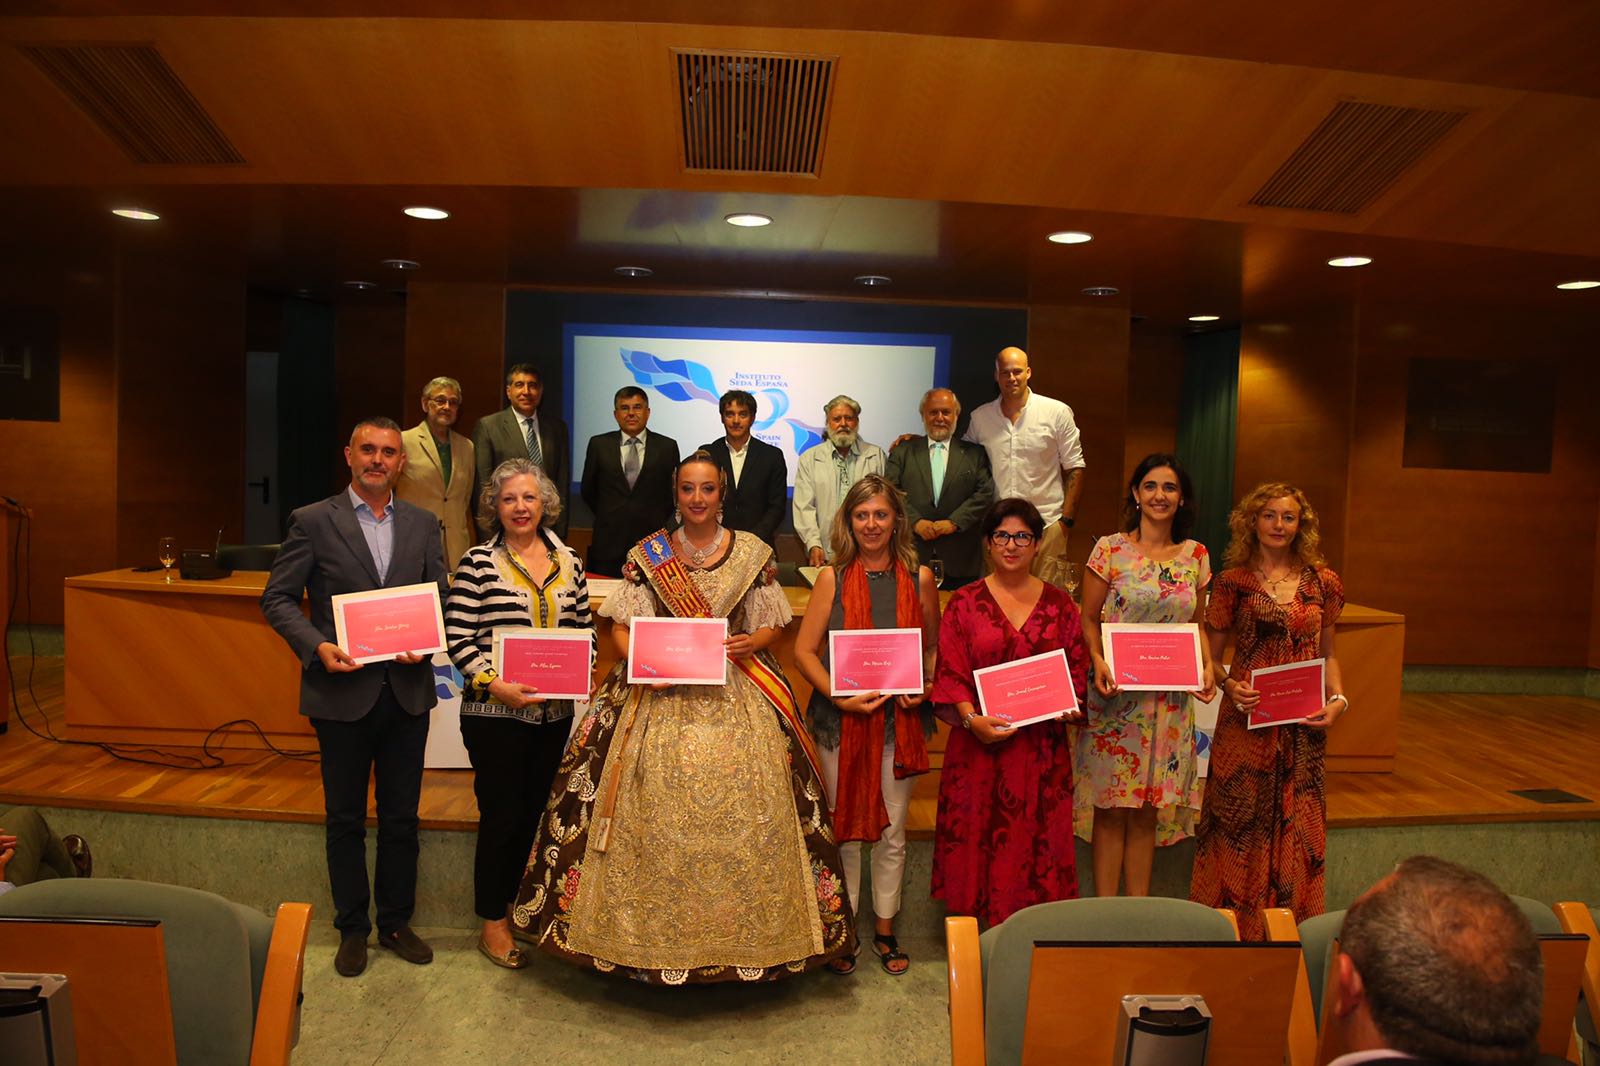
column 1262, row 838
column 1136, row 778
column 687, row 838
column 1004, row 837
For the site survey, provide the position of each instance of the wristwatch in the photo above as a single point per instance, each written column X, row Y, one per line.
column 1068, row 522
column 1341, row 697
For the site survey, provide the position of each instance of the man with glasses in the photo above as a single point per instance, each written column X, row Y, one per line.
column 1035, row 454
column 526, row 431
column 440, row 473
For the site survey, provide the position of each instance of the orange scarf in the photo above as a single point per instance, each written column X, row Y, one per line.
column 860, row 813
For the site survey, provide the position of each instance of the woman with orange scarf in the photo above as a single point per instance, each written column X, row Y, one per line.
column 871, row 746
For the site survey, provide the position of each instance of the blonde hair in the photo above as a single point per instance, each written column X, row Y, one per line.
column 1305, row 549
column 842, row 539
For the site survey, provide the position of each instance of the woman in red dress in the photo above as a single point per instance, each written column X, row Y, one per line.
column 1262, row 836
column 1004, row 836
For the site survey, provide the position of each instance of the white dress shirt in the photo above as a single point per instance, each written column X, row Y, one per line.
column 736, row 459
column 1028, row 455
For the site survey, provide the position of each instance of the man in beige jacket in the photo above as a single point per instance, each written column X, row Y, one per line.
column 441, row 472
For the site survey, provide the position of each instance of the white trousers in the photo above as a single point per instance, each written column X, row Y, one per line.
column 889, row 852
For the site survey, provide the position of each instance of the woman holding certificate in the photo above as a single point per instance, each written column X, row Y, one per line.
column 1136, row 779
column 687, row 840
column 523, row 578
column 1004, row 837
column 1263, row 824
column 872, row 744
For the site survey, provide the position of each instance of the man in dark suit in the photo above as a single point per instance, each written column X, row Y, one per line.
column 1436, row 965
column 370, row 719
column 627, row 482
column 525, row 431
column 758, row 478
column 948, row 488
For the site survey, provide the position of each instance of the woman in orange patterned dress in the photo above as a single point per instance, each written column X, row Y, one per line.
column 1263, row 822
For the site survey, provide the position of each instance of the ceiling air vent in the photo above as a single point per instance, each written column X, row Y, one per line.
column 1353, row 156
column 754, row 112
column 131, row 94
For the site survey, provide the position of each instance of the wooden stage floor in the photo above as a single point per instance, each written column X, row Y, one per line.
column 1460, row 758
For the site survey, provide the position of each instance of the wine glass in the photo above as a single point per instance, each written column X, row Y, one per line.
column 1074, row 579
column 167, row 552
column 936, row 565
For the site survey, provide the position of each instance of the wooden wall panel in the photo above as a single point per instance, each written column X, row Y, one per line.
column 1155, row 381
column 369, row 366
column 1482, row 564
column 1295, row 396
column 459, row 331
column 64, row 471
column 1079, row 355
column 1594, row 604
column 180, row 333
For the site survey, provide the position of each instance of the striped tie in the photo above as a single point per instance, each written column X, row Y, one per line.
column 534, row 451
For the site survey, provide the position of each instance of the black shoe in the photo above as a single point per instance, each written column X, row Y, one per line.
column 406, row 944
column 78, row 852
column 351, row 959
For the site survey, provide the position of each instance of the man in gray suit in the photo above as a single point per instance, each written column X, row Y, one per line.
column 948, row 488
column 526, row 431
column 370, row 720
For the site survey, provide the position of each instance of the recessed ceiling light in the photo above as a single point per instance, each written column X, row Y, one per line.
column 1349, row 261
column 872, row 279
column 427, row 212
column 1579, row 285
column 1070, row 236
column 748, row 219
column 632, row 271
column 1204, row 318
column 401, row 264
column 1101, row 290
column 361, row 286
column 135, row 213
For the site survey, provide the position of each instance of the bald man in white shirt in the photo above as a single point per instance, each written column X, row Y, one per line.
column 1034, row 453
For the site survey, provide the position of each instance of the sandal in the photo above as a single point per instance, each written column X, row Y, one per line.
column 844, row 965
column 891, row 954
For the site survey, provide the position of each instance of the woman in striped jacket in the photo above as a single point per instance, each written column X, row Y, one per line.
column 523, row 577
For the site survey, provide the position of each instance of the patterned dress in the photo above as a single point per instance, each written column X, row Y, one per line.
column 1138, row 747
column 720, row 863
column 1004, row 835
column 1263, row 826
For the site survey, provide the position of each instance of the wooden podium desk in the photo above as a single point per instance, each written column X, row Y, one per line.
column 157, row 663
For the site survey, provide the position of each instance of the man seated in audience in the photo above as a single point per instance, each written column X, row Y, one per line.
column 30, row 851
column 1437, row 964
column 825, row 472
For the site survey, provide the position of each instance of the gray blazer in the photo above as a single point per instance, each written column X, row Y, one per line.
column 325, row 554
column 967, row 492
column 498, row 437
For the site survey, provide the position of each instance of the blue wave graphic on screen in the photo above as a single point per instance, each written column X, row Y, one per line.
column 446, row 681
column 775, row 402
column 676, row 379
column 804, row 436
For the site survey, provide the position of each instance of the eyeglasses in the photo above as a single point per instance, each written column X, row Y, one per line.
column 1021, row 540
column 443, row 401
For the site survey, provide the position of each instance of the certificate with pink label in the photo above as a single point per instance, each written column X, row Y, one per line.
column 1289, row 694
column 1153, row 658
column 376, row 626
column 1028, row 690
column 557, row 662
column 678, row 651
column 863, row 661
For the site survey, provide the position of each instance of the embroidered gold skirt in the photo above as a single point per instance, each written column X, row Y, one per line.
column 686, row 841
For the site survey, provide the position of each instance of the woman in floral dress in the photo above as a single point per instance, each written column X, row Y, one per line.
column 1004, row 834
column 1262, row 837
column 687, row 837
column 1136, row 781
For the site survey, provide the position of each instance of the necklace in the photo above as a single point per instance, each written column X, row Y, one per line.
column 1275, row 584
column 698, row 556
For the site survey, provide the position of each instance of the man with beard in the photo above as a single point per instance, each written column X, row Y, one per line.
column 948, row 488
column 371, row 720
column 824, row 473
column 440, row 474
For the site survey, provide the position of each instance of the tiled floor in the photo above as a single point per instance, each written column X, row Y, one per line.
column 462, row 1009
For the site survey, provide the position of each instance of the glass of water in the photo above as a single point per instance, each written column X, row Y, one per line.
column 167, row 552
column 936, row 564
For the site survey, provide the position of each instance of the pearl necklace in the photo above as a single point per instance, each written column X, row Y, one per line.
column 698, row 556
